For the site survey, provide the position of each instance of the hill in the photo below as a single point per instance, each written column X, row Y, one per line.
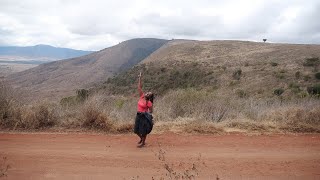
column 44, row 52
column 245, row 69
column 61, row 78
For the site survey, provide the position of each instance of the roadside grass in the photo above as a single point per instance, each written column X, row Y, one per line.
column 182, row 111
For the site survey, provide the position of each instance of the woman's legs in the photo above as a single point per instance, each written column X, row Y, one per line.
column 143, row 141
column 140, row 136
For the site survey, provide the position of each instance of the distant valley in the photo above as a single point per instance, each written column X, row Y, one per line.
column 15, row 59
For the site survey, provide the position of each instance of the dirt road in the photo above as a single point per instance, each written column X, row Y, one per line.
column 94, row 156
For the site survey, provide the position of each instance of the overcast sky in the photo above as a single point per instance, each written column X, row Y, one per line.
column 97, row 24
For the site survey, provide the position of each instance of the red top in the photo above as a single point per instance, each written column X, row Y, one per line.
column 142, row 105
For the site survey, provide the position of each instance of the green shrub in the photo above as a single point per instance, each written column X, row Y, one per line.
column 297, row 75
column 69, row 101
column 293, row 85
column 82, row 94
column 119, row 103
column 241, row 93
column 274, row 64
column 317, row 75
column 295, row 88
column 282, row 71
column 302, row 94
column 233, row 83
column 314, row 61
column 306, row 77
column 279, row 75
column 237, row 74
column 278, row 91
column 314, row 90
column 161, row 79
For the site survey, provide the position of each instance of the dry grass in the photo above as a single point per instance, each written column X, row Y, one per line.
column 4, row 167
column 180, row 170
column 181, row 111
column 202, row 128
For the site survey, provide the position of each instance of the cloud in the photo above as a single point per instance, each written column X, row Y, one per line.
column 97, row 24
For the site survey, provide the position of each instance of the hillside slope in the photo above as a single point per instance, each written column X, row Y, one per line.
column 61, row 78
column 226, row 67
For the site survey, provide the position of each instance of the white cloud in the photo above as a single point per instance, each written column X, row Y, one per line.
column 96, row 24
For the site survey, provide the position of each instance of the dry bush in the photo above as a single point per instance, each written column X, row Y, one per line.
column 15, row 115
column 188, row 110
column 106, row 113
column 250, row 126
column 93, row 116
column 8, row 105
column 195, row 111
column 191, row 103
column 124, row 127
column 294, row 118
column 262, row 115
column 38, row 116
column 202, row 128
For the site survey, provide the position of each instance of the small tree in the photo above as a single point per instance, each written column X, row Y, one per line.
column 264, row 40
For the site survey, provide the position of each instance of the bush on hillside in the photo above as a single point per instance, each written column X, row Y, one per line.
column 297, row 75
column 306, row 78
column 241, row 93
column 274, row 64
column 8, row 105
column 82, row 95
column 161, row 79
column 237, row 74
column 295, row 88
column 278, row 91
column 314, row 90
column 314, row 61
column 317, row 75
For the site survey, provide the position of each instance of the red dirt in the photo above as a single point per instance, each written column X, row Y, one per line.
column 96, row 156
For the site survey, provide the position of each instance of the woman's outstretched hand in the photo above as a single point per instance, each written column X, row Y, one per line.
column 140, row 84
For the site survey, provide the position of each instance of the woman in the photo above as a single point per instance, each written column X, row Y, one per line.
column 143, row 124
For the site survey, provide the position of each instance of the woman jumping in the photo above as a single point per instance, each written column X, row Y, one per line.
column 143, row 123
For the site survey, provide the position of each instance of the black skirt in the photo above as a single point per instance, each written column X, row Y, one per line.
column 143, row 124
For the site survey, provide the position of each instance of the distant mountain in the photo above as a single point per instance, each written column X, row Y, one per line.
column 40, row 51
column 61, row 78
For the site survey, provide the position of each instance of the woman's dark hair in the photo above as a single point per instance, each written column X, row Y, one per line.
column 150, row 97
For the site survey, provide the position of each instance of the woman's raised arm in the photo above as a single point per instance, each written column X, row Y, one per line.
column 140, row 86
